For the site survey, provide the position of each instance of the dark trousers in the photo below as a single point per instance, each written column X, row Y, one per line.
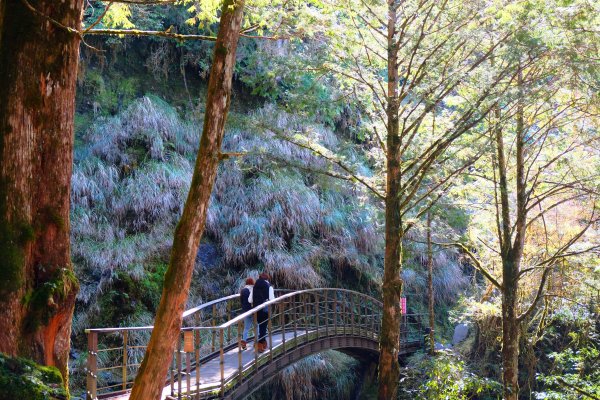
column 262, row 318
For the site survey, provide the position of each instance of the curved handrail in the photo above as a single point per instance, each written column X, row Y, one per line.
column 278, row 300
column 210, row 303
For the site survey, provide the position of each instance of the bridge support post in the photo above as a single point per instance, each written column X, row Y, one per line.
column 317, row 314
column 197, row 346
column 124, row 370
column 282, row 322
column 270, row 327
column 222, row 361
column 240, row 366
column 326, row 311
column 214, row 323
column 92, row 366
column 255, row 320
column 335, row 314
column 178, row 373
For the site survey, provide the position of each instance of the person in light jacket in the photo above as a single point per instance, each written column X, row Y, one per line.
column 246, row 306
column 261, row 293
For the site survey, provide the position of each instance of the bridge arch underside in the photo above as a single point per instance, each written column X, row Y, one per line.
column 363, row 349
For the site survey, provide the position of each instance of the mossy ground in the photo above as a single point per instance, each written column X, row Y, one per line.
column 22, row 379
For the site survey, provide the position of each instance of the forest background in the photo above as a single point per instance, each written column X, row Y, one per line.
column 302, row 200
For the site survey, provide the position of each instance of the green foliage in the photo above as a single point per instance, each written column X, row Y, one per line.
column 575, row 364
column 23, row 379
column 42, row 302
column 447, row 377
column 104, row 97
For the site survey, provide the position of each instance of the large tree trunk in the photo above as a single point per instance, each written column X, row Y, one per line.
column 38, row 67
column 151, row 376
column 389, row 347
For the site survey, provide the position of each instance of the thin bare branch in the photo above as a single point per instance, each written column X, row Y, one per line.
column 475, row 260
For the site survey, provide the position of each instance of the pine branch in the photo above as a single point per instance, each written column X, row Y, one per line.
column 332, row 160
column 577, row 389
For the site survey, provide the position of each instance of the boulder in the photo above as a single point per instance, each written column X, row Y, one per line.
column 461, row 332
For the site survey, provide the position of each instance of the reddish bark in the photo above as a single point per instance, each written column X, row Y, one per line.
column 38, row 67
column 149, row 381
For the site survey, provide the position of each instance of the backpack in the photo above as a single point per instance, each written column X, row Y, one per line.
column 244, row 294
column 260, row 293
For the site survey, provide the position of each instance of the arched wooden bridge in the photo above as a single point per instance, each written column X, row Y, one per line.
column 209, row 362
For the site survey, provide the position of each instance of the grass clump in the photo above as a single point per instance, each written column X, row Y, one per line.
column 327, row 375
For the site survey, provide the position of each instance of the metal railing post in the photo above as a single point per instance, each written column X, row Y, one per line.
column 255, row 318
column 92, row 366
column 270, row 328
column 305, row 307
column 228, row 307
column 178, row 371
column 240, row 366
column 197, row 345
column 222, row 361
column 343, row 316
column 335, row 314
column 295, row 321
column 317, row 313
column 282, row 319
column 124, row 370
column 326, row 308
column 188, row 371
column 214, row 323
column 172, row 373
column 354, row 315
column 372, row 313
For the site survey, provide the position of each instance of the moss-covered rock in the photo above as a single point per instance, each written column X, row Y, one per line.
column 23, row 379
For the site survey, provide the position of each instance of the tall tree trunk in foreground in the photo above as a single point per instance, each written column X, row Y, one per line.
column 38, row 67
column 151, row 376
column 510, row 333
column 389, row 346
column 511, row 253
column 430, row 293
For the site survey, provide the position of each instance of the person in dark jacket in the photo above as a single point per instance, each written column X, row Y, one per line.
column 261, row 293
column 246, row 306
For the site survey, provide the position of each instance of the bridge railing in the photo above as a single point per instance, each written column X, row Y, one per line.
column 294, row 319
column 215, row 328
column 115, row 354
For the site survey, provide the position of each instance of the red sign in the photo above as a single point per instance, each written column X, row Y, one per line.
column 403, row 305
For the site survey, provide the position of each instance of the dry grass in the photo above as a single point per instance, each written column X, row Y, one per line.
column 449, row 280
column 130, row 184
column 328, row 375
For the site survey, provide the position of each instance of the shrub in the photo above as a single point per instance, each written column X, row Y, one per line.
column 23, row 379
column 446, row 377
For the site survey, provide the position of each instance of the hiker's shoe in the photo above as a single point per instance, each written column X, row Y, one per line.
column 243, row 345
column 262, row 347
